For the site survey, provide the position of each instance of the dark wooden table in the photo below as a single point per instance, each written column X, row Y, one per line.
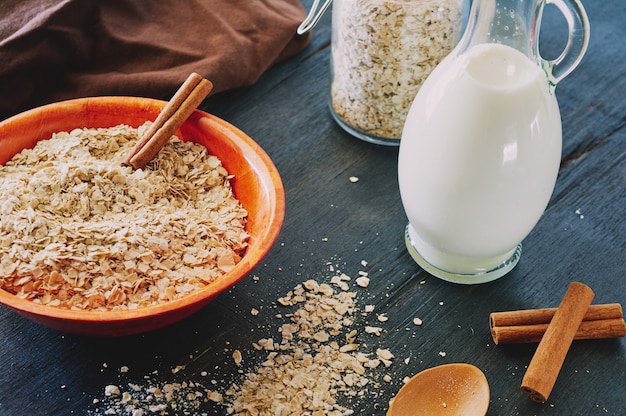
column 332, row 220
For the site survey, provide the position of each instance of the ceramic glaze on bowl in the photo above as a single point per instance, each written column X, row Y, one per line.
column 256, row 184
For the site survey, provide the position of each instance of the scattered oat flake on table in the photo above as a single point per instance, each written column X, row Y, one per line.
column 417, row 321
column 385, row 356
column 376, row 330
column 315, row 367
column 341, row 281
column 112, row 390
column 301, row 363
column 237, row 357
column 354, row 179
column 154, row 398
column 363, row 281
column 321, row 336
column 215, row 396
column 177, row 369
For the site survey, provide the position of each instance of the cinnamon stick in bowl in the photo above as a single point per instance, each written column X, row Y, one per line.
column 178, row 109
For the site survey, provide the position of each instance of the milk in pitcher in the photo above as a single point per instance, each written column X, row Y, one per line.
column 479, row 157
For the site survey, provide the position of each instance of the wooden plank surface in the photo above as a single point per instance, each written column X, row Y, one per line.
column 331, row 220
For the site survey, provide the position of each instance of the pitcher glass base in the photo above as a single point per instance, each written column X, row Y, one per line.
column 473, row 275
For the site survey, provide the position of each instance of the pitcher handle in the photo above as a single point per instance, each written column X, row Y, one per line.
column 578, row 40
column 313, row 17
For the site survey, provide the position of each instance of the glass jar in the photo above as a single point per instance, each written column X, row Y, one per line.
column 382, row 51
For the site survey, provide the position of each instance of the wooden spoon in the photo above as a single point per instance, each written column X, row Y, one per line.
column 450, row 389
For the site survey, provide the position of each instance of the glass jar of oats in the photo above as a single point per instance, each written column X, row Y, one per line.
column 382, row 51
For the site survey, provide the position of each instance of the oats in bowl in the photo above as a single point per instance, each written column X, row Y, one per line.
column 80, row 231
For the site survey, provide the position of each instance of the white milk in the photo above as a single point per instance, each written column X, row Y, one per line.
column 479, row 156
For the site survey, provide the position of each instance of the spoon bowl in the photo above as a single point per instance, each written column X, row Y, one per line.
column 449, row 389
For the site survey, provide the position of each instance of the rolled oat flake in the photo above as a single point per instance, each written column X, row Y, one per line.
column 382, row 52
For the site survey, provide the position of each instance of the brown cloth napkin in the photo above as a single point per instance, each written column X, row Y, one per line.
column 52, row 50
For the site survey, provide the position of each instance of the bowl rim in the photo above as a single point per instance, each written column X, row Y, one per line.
column 250, row 150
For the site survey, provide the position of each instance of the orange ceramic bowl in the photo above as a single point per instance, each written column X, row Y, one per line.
column 256, row 184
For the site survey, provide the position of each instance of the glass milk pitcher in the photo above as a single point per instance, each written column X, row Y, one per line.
column 481, row 145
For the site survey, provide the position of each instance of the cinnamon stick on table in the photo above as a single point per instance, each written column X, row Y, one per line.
column 547, row 361
column 526, row 326
column 178, row 109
